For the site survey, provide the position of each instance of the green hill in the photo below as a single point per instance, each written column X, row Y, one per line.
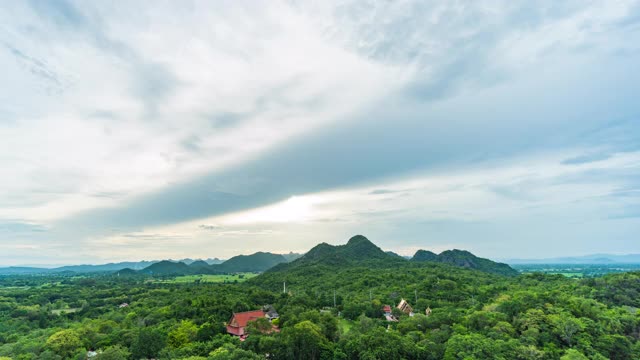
column 424, row 255
column 126, row 272
column 199, row 264
column 167, row 267
column 357, row 251
column 257, row 262
column 465, row 259
column 394, row 254
column 291, row 256
column 326, row 266
column 360, row 269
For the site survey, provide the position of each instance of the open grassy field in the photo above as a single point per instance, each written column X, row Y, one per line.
column 231, row 278
column 577, row 271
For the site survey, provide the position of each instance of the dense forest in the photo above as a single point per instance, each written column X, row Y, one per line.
column 331, row 309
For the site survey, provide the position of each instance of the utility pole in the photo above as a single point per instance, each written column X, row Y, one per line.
column 416, row 292
column 284, row 287
column 334, row 298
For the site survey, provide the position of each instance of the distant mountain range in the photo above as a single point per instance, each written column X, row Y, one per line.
column 209, row 261
column 256, row 262
column 586, row 259
column 464, row 259
column 15, row 270
column 359, row 251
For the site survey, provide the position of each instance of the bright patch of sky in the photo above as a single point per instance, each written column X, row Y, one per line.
column 198, row 129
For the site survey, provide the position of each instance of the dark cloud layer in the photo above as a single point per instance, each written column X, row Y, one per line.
column 395, row 138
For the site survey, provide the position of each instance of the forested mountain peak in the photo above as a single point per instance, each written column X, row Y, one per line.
column 457, row 252
column 318, row 251
column 424, row 255
column 199, row 264
column 126, row 272
column 463, row 258
column 360, row 251
column 357, row 250
column 166, row 267
column 259, row 261
column 291, row 256
column 360, row 246
column 359, row 239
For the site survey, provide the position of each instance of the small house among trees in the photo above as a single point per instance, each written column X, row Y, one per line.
column 238, row 323
column 386, row 309
column 262, row 321
column 270, row 312
column 388, row 314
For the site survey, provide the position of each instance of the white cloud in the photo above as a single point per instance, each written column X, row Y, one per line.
column 526, row 190
column 103, row 129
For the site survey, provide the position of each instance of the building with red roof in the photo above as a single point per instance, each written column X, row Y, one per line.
column 387, row 313
column 238, row 323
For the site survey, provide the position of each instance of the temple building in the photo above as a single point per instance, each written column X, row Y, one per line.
column 405, row 307
column 239, row 321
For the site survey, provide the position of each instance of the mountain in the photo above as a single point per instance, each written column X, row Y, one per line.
column 211, row 261
column 357, row 251
column 359, row 247
column 187, row 261
column 199, row 264
column 110, row 267
column 136, row 265
column 586, row 259
column 291, row 256
column 424, row 255
column 127, row 272
column 22, row 270
column 166, row 267
column 394, row 254
column 360, row 264
column 462, row 258
column 257, row 262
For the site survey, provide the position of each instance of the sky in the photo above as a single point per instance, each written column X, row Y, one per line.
column 172, row 129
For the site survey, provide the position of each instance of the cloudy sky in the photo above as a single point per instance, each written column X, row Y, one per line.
column 148, row 130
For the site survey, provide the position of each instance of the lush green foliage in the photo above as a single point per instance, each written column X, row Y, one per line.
column 475, row 315
column 360, row 251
